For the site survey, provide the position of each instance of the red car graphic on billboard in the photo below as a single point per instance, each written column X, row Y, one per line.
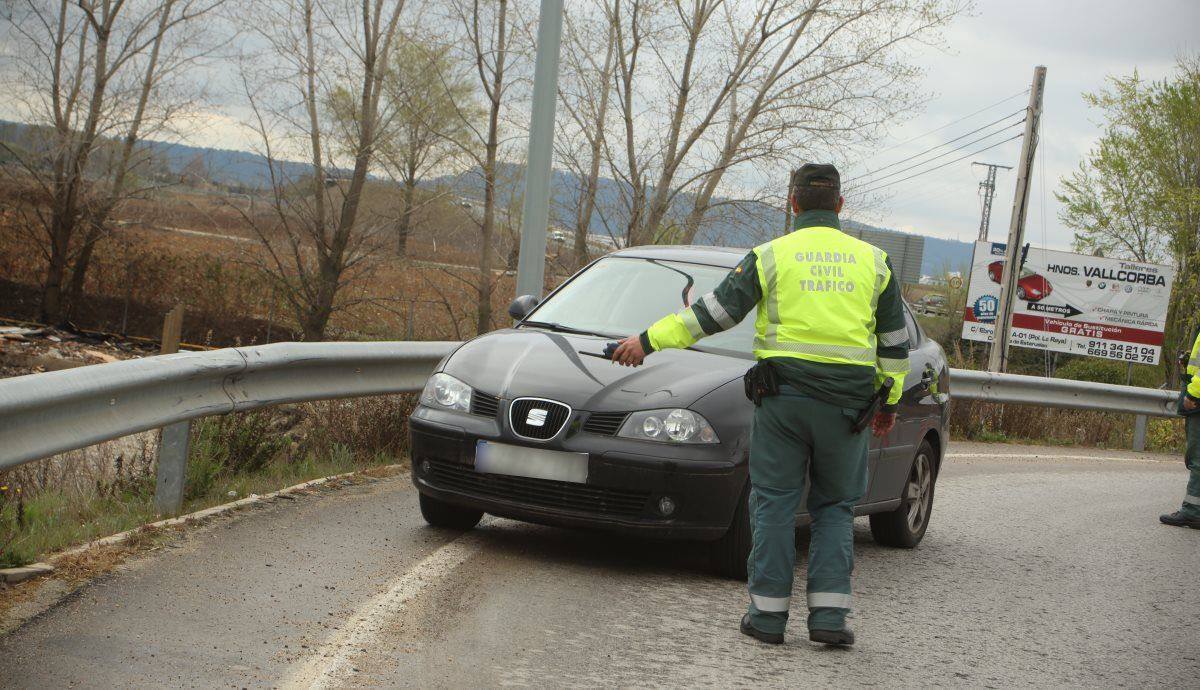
column 1031, row 287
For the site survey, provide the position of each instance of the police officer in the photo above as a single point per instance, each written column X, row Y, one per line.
column 1189, row 406
column 830, row 327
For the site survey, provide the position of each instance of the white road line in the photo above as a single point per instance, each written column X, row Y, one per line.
column 329, row 663
column 1045, row 456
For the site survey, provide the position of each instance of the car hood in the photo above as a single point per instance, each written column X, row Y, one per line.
column 514, row 363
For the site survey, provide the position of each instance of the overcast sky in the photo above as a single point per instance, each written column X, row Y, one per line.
column 992, row 55
column 989, row 56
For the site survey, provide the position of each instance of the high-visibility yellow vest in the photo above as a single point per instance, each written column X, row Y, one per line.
column 1193, row 369
column 820, row 288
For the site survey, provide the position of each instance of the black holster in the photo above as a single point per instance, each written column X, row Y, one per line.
column 761, row 382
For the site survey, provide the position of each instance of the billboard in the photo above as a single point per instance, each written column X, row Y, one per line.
column 1081, row 305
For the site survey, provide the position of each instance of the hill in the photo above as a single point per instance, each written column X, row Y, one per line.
column 745, row 224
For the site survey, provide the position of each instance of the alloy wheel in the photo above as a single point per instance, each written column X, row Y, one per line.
column 918, row 492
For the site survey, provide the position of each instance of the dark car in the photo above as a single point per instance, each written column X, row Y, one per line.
column 529, row 423
column 1031, row 287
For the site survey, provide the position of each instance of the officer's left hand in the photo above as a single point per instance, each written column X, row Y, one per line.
column 629, row 352
column 883, row 423
column 1190, row 403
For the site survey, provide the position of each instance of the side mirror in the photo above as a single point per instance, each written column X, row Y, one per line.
column 522, row 305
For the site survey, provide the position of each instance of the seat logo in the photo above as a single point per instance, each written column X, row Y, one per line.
column 536, row 417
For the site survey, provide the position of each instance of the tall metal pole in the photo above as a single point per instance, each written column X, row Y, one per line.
column 535, row 211
column 998, row 357
column 989, row 190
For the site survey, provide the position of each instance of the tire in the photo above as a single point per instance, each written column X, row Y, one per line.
column 729, row 554
column 1020, row 292
column 442, row 514
column 905, row 526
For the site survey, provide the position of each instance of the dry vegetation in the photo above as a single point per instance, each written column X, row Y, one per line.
column 192, row 249
column 79, row 496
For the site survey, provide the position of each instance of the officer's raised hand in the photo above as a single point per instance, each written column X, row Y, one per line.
column 629, row 352
column 883, row 423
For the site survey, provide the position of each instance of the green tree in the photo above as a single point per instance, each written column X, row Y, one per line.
column 424, row 93
column 1137, row 194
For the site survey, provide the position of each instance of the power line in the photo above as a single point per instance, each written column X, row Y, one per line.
column 934, row 148
column 939, row 167
column 945, row 153
column 951, row 123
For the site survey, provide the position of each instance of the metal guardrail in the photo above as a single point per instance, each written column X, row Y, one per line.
column 966, row 384
column 44, row 414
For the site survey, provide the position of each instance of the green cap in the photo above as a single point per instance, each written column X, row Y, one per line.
column 817, row 175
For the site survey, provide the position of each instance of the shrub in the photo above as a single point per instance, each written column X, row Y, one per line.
column 234, row 444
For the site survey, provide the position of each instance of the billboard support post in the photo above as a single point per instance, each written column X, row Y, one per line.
column 998, row 357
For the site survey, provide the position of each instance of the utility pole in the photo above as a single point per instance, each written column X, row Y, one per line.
column 998, row 357
column 535, row 210
column 988, row 187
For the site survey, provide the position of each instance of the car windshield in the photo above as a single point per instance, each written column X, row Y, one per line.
column 622, row 296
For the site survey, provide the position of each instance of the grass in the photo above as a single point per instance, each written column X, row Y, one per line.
column 60, row 502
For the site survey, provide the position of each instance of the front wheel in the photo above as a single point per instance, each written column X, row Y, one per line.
column 729, row 554
column 905, row 526
column 442, row 514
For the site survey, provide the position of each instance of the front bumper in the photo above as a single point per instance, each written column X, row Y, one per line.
column 622, row 493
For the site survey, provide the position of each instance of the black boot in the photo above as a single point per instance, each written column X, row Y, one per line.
column 1178, row 519
column 836, row 638
column 769, row 638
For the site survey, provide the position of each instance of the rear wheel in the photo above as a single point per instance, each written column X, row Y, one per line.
column 905, row 526
column 729, row 554
column 442, row 514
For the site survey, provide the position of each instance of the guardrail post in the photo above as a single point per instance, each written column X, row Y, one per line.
column 174, row 440
column 1139, row 433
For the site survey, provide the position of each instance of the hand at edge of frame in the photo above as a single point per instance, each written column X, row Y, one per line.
column 883, row 423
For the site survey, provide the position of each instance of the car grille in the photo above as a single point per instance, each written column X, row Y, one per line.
column 543, row 493
column 524, row 414
column 605, row 423
column 484, row 404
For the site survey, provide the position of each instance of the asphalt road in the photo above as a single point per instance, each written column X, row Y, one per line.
column 1043, row 571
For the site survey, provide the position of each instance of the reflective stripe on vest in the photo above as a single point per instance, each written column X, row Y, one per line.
column 691, row 323
column 715, row 310
column 893, row 338
column 1194, row 364
column 826, row 270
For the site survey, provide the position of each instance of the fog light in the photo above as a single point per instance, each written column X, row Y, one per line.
column 426, row 468
column 666, row 506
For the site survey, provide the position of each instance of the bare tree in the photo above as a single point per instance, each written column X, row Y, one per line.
column 489, row 30
column 424, row 91
column 704, row 87
column 585, row 88
column 320, row 237
column 95, row 78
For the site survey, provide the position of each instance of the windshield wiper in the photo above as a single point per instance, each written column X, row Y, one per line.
column 564, row 329
column 686, row 288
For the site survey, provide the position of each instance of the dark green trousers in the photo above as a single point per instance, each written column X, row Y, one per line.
column 796, row 438
column 1191, row 502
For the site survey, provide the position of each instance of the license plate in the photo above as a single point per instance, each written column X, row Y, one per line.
column 535, row 463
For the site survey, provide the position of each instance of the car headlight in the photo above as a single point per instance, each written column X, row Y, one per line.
column 668, row 426
column 445, row 392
